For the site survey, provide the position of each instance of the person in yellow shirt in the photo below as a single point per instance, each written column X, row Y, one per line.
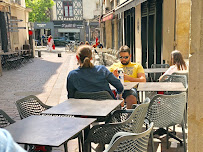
column 133, row 72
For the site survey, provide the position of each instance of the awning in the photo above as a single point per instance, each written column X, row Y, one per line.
column 108, row 16
column 127, row 5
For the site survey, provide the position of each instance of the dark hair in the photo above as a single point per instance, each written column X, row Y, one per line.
column 177, row 59
column 85, row 54
column 124, row 48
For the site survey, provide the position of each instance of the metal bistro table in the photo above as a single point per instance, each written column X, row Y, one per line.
column 84, row 107
column 47, row 130
column 158, row 86
column 127, row 85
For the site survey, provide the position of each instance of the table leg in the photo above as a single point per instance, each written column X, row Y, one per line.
column 87, row 146
column 66, row 146
column 140, row 96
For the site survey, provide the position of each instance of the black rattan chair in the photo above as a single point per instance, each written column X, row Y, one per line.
column 30, row 105
column 100, row 95
column 5, row 120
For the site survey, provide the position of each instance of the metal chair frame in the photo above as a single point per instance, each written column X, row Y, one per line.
column 130, row 142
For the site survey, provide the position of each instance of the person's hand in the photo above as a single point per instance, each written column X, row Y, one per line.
column 122, row 103
column 127, row 77
column 115, row 72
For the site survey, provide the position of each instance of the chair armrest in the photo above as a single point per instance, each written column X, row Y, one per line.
column 103, row 133
column 115, row 137
column 119, row 115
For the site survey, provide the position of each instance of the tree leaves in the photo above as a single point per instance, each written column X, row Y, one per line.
column 39, row 9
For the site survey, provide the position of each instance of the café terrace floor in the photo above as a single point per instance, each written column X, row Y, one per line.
column 46, row 78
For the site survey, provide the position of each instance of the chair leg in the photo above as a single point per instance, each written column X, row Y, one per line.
column 66, row 147
column 87, row 147
column 176, row 138
column 184, row 138
column 152, row 140
column 25, row 146
column 167, row 138
column 80, row 142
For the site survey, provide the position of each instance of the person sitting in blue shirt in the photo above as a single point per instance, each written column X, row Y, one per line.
column 90, row 78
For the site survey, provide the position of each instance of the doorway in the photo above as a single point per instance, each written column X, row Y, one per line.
column 151, row 34
column 129, row 27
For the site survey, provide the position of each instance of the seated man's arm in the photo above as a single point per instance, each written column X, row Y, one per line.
column 140, row 78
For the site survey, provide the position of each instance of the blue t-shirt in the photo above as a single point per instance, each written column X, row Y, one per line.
column 92, row 80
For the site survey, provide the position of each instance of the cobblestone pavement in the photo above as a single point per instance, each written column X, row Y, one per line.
column 46, row 78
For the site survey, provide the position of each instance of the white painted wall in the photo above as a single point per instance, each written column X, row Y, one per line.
column 88, row 8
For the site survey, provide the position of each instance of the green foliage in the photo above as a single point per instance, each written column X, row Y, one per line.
column 39, row 8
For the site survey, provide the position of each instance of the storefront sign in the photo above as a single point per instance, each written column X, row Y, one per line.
column 41, row 25
column 68, row 25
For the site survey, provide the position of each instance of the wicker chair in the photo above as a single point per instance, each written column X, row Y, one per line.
column 5, row 120
column 130, row 142
column 100, row 95
column 103, row 133
column 178, row 78
column 175, row 78
column 30, row 105
column 166, row 111
column 181, row 73
column 156, row 76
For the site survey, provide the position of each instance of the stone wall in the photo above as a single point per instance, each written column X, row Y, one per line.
column 168, row 28
column 108, row 30
column 138, row 43
column 183, row 12
column 195, row 100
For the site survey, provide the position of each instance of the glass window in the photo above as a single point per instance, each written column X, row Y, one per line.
column 68, row 9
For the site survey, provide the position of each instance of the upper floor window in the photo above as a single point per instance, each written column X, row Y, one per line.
column 68, row 8
column 118, row 2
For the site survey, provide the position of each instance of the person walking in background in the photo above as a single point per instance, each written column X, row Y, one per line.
column 90, row 78
column 100, row 45
column 133, row 72
column 43, row 40
column 177, row 64
column 87, row 43
column 50, row 42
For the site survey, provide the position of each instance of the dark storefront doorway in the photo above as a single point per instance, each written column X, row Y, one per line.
column 129, row 26
column 3, row 32
column 151, row 34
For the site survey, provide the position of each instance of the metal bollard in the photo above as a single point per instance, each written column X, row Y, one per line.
column 59, row 54
column 39, row 53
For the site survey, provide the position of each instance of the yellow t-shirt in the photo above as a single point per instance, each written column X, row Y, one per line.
column 132, row 69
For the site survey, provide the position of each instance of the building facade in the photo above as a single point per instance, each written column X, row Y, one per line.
column 13, row 25
column 150, row 28
column 74, row 19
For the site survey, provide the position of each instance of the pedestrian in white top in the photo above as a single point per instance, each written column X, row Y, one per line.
column 50, row 43
column 177, row 63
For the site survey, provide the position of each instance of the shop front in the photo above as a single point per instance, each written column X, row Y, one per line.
column 72, row 30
